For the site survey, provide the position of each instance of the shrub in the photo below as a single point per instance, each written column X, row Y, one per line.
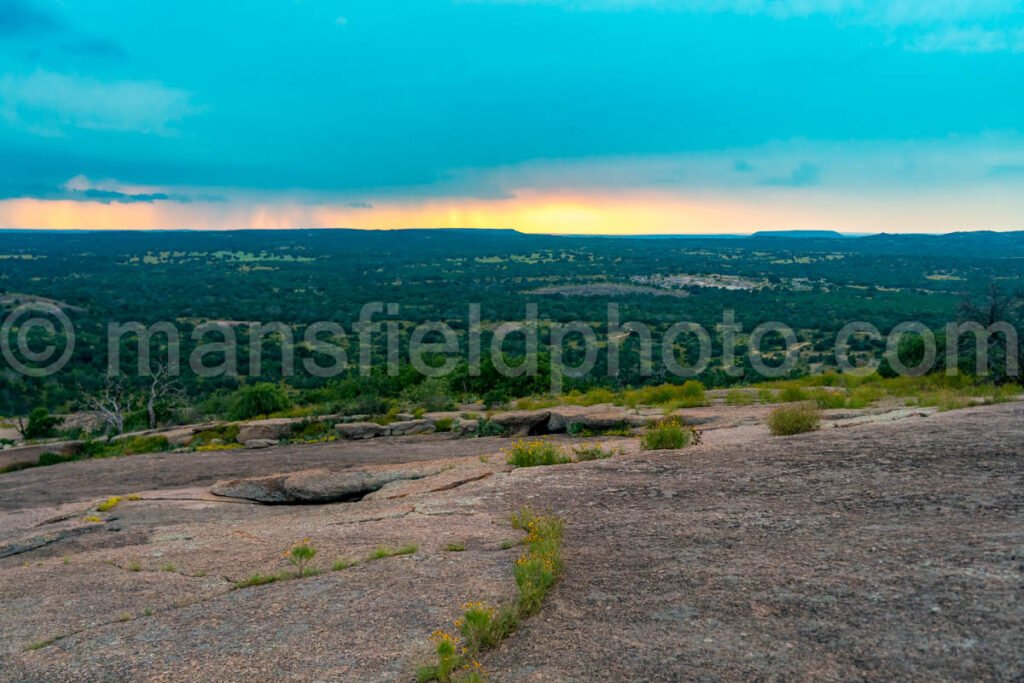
column 740, row 397
column 829, row 399
column 41, row 424
column 787, row 420
column 310, row 431
column 258, row 399
column 489, row 428
column 792, row 395
column 535, row 453
column 431, row 394
column 592, row 398
column 444, row 424
column 225, row 434
column 667, row 434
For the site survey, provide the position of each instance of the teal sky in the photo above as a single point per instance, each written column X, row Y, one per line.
column 556, row 115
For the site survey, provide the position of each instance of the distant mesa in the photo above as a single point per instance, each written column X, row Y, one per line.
column 815, row 234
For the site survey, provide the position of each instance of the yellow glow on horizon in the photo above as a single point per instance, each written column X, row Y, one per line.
column 601, row 213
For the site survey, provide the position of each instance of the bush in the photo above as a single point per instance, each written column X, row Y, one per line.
column 740, row 397
column 666, row 435
column 787, row 420
column 488, row 428
column 258, row 399
column 827, row 400
column 431, row 394
column 41, row 424
column 792, row 395
column 536, row 453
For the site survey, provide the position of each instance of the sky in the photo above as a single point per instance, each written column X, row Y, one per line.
column 553, row 116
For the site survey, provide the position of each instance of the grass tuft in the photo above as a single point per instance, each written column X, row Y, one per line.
column 794, row 419
column 482, row 627
column 383, row 551
column 668, row 434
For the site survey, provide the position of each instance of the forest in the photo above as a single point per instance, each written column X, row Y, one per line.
column 189, row 279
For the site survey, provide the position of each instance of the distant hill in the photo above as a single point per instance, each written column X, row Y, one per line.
column 812, row 234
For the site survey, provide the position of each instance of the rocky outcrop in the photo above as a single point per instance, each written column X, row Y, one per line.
column 29, row 455
column 465, row 427
column 259, row 443
column 273, row 429
column 523, row 422
column 407, row 427
column 317, row 486
column 360, row 430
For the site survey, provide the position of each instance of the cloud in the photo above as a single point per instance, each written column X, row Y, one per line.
column 974, row 40
column 81, row 189
column 804, row 175
column 965, row 26
column 742, row 166
column 47, row 103
column 19, row 17
column 341, row 21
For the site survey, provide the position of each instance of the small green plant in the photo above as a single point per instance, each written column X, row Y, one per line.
column 509, row 544
column 340, row 565
column 40, row 644
column 795, row 419
column 585, row 452
column 535, row 453
column 168, row 567
column 455, row 547
column 383, row 551
column 482, row 626
column 300, row 555
column 135, row 566
column 148, row 612
column 257, row 580
column 668, row 434
column 444, row 424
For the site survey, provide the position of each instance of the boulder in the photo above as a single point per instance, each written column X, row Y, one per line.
column 523, row 422
column 272, row 429
column 317, row 486
column 360, row 430
column 408, row 427
column 29, row 455
column 562, row 416
column 259, row 443
column 463, row 426
column 612, row 419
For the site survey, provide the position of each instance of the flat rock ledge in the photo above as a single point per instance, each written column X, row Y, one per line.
column 321, row 486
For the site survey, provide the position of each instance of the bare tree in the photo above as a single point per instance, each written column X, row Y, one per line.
column 113, row 403
column 161, row 387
